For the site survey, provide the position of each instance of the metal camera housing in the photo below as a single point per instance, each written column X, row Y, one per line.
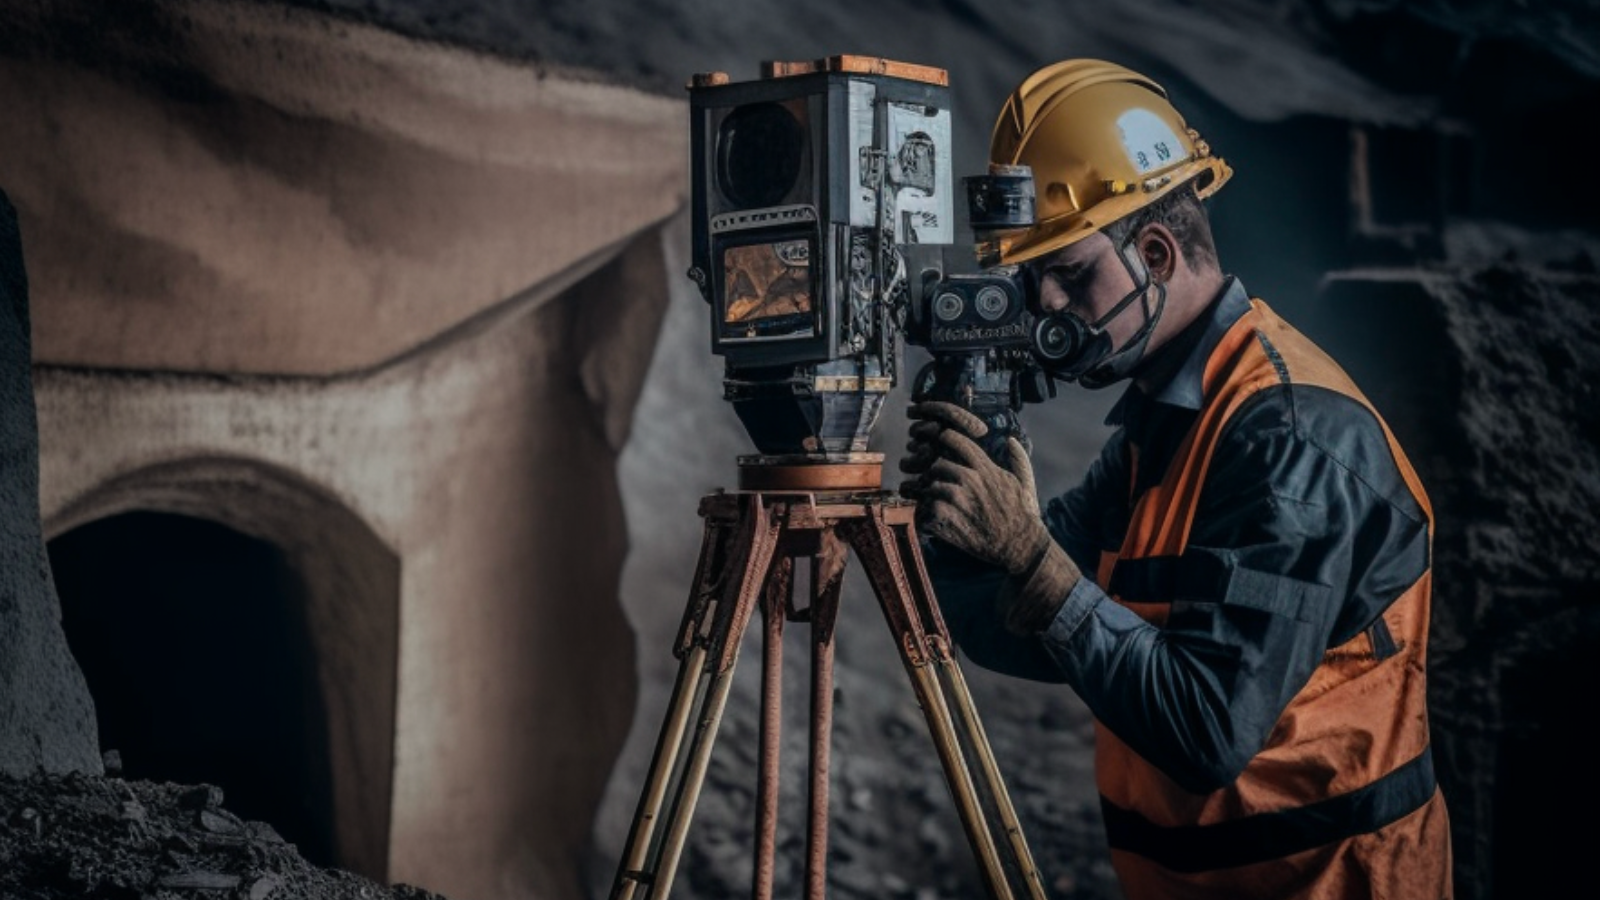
column 973, row 311
column 980, row 329
column 807, row 185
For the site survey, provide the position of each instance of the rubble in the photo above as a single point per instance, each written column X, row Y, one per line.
column 78, row 835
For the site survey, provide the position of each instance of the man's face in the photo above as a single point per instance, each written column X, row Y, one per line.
column 1087, row 279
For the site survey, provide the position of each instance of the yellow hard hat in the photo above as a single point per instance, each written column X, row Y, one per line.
column 1103, row 142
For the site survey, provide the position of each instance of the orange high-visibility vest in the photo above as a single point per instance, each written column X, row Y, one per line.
column 1341, row 802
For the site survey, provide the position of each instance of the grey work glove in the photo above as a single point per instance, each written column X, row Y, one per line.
column 932, row 417
column 964, row 498
column 988, row 511
column 1029, row 601
column 928, row 419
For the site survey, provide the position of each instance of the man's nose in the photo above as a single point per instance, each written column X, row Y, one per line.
column 1051, row 297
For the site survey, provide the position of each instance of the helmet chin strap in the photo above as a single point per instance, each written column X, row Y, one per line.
column 1118, row 364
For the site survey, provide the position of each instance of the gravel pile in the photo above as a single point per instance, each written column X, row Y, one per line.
column 79, row 836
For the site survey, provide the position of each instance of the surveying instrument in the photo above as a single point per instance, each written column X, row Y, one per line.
column 817, row 190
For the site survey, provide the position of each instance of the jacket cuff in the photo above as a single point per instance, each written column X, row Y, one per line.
column 1038, row 594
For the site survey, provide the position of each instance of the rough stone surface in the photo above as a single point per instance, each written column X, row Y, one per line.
column 384, row 305
column 229, row 187
column 71, row 836
column 1487, row 371
column 46, row 716
column 503, row 622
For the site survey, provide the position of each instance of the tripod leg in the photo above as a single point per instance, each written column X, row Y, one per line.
column 733, row 563
column 774, row 608
column 966, row 711
column 827, row 579
column 758, row 533
column 633, row 870
column 876, row 543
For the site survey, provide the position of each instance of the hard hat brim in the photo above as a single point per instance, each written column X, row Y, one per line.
column 1065, row 230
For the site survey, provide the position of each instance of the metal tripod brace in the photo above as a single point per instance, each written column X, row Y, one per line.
column 747, row 556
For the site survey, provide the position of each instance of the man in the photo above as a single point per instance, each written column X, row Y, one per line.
column 1239, row 589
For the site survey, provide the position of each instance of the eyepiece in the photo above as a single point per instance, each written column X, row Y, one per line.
column 1057, row 338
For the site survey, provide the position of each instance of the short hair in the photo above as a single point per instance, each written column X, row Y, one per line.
column 1183, row 214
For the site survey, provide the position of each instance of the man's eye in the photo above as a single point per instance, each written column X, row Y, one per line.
column 1068, row 279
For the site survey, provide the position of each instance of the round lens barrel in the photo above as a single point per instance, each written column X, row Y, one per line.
column 991, row 302
column 948, row 306
column 1057, row 338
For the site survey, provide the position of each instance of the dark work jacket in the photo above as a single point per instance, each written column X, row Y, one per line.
column 1248, row 535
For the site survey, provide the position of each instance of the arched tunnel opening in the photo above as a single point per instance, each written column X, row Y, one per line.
column 195, row 644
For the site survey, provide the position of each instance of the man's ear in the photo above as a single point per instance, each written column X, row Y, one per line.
column 1158, row 247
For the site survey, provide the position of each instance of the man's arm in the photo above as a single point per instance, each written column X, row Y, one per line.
column 967, row 589
column 1306, row 532
column 1090, row 519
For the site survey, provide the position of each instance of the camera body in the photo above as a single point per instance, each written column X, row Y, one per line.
column 822, row 212
column 807, row 183
column 981, row 331
column 970, row 312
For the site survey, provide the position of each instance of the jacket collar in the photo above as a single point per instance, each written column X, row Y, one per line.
column 1176, row 372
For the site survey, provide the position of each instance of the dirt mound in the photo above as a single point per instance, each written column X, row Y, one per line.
column 76, row 836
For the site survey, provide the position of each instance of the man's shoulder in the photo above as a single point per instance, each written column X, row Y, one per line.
column 1308, row 412
column 1313, row 429
column 1296, row 385
column 1284, row 353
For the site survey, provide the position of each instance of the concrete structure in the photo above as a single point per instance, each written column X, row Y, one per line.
column 384, row 305
column 47, row 720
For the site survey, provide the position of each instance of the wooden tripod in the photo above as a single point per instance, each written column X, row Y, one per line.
column 751, row 541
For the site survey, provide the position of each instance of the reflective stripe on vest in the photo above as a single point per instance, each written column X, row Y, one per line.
column 1348, row 756
column 1270, row 835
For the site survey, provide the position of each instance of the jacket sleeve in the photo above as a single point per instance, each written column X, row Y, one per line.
column 1092, row 518
column 1305, row 532
column 966, row 588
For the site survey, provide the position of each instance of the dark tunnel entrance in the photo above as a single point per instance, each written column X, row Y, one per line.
column 194, row 641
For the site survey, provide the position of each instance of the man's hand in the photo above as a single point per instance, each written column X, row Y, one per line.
column 990, row 512
column 964, row 498
column 932, row 417
column 928, row 419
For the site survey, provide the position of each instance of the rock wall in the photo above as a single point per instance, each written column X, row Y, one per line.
column 509, row 678
column 46, row 717
column 225, row 186
column 1486, row 369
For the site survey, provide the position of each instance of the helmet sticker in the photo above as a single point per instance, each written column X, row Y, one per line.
column 1149, row 141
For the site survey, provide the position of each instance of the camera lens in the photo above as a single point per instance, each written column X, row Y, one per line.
column 1055, row 338
column 990, row 303
column 947, row 307
column 759, row 152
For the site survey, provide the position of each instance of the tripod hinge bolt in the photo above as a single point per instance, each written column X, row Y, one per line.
column 914, row 651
